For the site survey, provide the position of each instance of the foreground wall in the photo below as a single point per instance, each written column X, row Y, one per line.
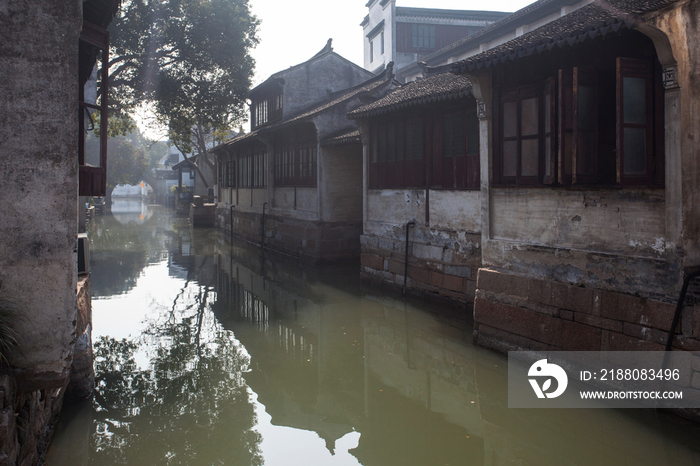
column 38, row 219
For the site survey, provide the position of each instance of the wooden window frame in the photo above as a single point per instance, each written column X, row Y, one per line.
column 266, row 109
column 454, row 165
column 394, row 143
column 517, row 95
column 92, row 181
column 635, row 68
column 296, row 164
column 573, row 100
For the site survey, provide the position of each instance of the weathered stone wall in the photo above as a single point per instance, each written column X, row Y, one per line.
column 312, row 241
column 513, row 311
column 441, row 264
column 341, row 188
column 680, row 30
column 39, row 162
column 26, row 422
column 442, row 258
column 311, row 81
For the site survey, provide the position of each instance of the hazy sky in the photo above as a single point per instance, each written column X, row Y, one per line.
column 291, row 32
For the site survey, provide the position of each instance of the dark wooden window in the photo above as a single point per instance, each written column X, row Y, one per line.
column 521, row 135
column 423, row 36
column 447, row 141
column 266, row 110
column 296, row 164
column 227, row 171
column 92, row 172
column 635, row 118
column 252, row 169
column 456, row 150
column 396, row 153
column 596, row 124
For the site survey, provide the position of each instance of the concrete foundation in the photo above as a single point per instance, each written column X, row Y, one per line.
column 309, row 240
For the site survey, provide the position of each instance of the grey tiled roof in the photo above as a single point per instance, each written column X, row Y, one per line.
column 374, row 85
column 438, row 87
column 599, row 18
column 367, row 88
column 347, row 137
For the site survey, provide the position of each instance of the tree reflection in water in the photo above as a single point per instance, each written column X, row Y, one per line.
column 189, row 406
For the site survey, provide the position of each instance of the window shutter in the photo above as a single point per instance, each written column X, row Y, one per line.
column 635, row 117
column 585, row 127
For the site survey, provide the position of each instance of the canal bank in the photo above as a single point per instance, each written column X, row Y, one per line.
column 208, row 353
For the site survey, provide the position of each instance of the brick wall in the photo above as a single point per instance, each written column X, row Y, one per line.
column 513, row 312
column 441, row 267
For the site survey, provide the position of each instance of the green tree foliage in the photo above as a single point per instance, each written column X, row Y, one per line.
column 126, row 163
column 189, row 61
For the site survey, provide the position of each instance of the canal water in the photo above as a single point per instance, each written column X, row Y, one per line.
column 212, row 354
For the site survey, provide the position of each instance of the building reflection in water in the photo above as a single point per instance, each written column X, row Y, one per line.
column 335, row 361
column 253, row 348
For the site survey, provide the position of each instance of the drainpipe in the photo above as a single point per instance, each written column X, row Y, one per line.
column 679, row 307
column 262, row 227
column 405, row 261
column 231, row 218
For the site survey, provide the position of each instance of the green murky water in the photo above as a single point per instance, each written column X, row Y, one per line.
column 208, row 354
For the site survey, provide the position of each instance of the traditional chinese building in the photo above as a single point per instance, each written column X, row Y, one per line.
column 294, row 183
column 422, row 200
column 590, row 222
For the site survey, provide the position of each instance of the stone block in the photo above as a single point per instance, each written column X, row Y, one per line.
column 394, row 266
column 599, row 322
column 419, row 273
column 459, row 270
column 640, row 311
column 566, row 315
column 685, row 326
column 447, row 255
column 372, row 261
column 645, row 333
column 559, row 333
column 695, row 381
column 453, row 283
column 685, row 343
column 427, row 252
column 470, row 289
column 613, row 341
column 500, row 282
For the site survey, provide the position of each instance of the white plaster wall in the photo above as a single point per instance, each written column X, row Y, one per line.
column 258, row 196
column 456, row 210
column 306, row 203
column 396, row 206
column 283, row 198
column 307, row 199
column 376, row 14
column 630, row 221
